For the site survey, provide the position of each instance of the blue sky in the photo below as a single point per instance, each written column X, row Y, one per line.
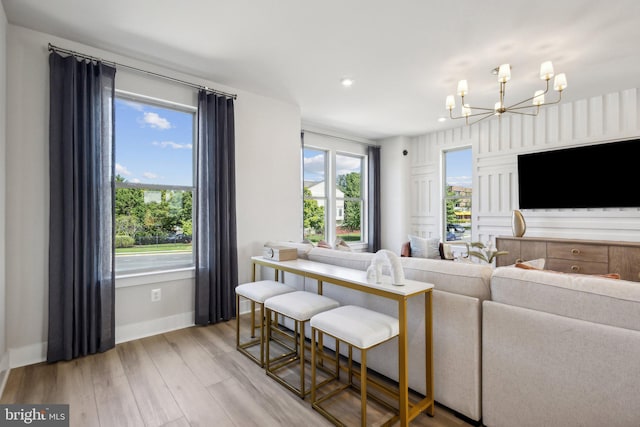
column 154, row 145
column 459, row 168
column 314, row 161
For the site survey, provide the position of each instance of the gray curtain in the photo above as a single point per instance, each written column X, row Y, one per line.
column 81, row 265
column 215, row 231
column 374, row 237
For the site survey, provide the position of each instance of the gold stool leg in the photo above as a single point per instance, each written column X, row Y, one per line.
column 301, row 335
column 363, row 387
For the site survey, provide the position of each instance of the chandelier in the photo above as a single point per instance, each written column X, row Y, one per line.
column 504, row 75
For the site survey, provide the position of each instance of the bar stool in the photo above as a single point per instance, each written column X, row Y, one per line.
column 361, row 328
column 257, row 293
column 300, row 306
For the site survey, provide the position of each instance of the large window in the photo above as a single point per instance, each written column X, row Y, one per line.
column 458, row 174
column 315, row 194
column 154, row 185
column 349, row 199
column 337, row 210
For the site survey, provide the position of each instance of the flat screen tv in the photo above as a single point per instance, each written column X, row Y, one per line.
column 593, row 176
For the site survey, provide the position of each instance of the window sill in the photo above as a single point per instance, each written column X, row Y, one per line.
column 138, row 279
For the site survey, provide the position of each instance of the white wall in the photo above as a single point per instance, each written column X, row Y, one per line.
column 267, row 188
column 4, row 355
column 496, row 144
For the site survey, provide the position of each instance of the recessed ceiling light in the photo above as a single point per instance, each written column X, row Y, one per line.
column 442, row 119
column 346, row 82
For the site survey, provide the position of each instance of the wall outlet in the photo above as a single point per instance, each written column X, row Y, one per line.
column 156, row 295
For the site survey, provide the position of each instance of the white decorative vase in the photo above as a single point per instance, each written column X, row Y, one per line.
column 518, row 226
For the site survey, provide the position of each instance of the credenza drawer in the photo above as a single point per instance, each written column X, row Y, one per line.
column 578, row 252
column 576, row 266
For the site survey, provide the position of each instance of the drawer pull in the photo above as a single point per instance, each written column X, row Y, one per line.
column 575, row 268
column 575, row 251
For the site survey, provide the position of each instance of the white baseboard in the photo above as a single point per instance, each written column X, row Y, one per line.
column 36, row 353
column 4, row 371
column 27, row 355
column 148, row 328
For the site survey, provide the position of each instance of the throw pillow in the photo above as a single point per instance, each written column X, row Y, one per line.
column 447, row 252
column 341, row 245
column 323, row 244
column 534, row 264
column 424, row 248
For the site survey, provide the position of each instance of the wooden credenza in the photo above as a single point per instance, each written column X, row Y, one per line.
column 574, row 255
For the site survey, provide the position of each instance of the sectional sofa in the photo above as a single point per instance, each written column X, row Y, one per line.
column 513, row 347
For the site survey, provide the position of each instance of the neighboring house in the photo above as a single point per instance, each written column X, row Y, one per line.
column 318, row 190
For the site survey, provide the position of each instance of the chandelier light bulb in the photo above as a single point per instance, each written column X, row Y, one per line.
column 504, row 73
column 451, row 102
column 538, row 98
column 466, row 110
column 463, row 88
column 546, row 70
column 497, row 107
column 560, row 82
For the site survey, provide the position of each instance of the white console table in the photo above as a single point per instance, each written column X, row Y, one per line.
column 357, row 280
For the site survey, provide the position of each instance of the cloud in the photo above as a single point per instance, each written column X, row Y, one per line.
column 174, row 145
column 459, row 181
column 155, row 121
column 150, row 175
column 122, row 170
column 346, row 165
column 135, row 181
column 314, row 165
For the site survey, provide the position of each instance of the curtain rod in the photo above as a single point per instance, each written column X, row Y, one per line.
column 139, row 70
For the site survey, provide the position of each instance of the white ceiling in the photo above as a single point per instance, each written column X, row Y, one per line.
column 405, row 55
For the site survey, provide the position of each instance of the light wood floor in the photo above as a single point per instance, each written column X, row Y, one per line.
column 190, row 377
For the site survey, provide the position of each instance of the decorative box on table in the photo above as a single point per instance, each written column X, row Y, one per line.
column 279, row 253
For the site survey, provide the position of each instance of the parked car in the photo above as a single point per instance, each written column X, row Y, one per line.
column 178, row 238
column 456, row 228
column 452, row 236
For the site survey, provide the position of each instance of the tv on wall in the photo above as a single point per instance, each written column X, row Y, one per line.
column 594, row 176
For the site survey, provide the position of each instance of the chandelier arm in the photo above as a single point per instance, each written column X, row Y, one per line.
column 488, row 113
column 557, row 101
column 486, row 116
column 481, row 108
column 523, row 113
column 530, row 99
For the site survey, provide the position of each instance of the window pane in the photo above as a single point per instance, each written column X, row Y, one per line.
column 154, row 145
column 348, row 197
column 458, row 178
column 154, row 187
column 153, row 229
column 315, row 192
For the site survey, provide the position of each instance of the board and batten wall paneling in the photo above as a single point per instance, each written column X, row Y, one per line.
column 496, row 144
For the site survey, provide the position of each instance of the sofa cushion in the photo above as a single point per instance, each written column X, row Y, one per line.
column 595, row 299
column 462, row 278
column 356, row 260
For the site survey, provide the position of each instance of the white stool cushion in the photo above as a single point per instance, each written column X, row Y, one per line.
column 300, row 305
column 262, row 290
column 356, row 325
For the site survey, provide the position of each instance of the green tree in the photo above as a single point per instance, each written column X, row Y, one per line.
column 450, row 207
column 313, row 214
column 349, row 184
column 127, row 225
